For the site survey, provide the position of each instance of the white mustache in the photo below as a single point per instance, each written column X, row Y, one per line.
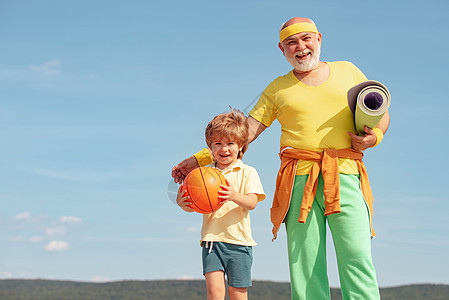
column 304, row 52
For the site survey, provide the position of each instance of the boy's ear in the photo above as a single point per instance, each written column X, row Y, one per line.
column 211, row 153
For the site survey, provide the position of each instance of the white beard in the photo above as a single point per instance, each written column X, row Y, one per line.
column 306, row 65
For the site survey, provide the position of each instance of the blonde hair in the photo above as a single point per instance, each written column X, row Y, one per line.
column 232, row 125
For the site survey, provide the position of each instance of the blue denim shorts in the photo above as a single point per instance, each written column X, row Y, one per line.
column 234, row 260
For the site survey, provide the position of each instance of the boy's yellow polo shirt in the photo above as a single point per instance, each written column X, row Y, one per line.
column 231, row 223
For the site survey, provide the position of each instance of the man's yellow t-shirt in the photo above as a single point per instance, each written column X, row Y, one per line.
column 312, row 117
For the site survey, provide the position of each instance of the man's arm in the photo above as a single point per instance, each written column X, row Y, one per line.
column 255, row 129
column 180, row 171
column 384, row 122
column 361, row 143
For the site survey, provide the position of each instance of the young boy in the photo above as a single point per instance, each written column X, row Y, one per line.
column 226, row 234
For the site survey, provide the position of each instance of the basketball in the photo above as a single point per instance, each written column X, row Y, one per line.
column 202, row 185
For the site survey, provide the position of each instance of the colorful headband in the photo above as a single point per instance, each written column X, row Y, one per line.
column 297, row 28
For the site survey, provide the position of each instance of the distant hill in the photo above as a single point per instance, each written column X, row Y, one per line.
column 181, row 289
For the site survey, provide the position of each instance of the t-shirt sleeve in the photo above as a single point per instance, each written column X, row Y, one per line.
column 357, row 74
column 203, row 157
column 264, row 111
column 253, row 184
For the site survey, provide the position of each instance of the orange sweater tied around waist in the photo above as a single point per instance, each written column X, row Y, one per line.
column 326, row 163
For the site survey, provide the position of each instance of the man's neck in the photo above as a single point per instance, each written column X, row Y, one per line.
column 316, row 77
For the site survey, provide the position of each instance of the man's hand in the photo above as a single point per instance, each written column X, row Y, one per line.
column 361, row 143
column 180, row 171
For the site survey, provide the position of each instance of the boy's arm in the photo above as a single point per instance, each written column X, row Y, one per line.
column 248, row 201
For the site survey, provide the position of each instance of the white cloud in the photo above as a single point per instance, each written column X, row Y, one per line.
column 37, row 239
column 23, row 216
column 56, row 246
column 70, row 220
column 55, row 231
column 48, row 68
column 27, row 219
column 42, row 229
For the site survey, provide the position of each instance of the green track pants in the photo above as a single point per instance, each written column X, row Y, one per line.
column 352, row 240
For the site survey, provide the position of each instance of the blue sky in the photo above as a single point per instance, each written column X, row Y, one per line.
column 99, row 99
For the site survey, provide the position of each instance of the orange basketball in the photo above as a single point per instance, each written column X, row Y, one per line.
column 202, row 185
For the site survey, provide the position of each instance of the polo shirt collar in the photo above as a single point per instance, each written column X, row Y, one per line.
column 236, row 166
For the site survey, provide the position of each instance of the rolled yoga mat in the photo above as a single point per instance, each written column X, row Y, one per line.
column 368, row 102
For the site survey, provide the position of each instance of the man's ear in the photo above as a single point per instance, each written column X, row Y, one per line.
column 282, row 48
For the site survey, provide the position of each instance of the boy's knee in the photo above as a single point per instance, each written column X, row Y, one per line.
column 236, row 293
column 216, row 289
column 216, row 292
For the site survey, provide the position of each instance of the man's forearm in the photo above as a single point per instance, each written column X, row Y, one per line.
column 255, row 129
column 384, row 122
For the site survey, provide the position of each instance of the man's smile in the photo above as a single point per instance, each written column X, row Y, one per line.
column 303, row 56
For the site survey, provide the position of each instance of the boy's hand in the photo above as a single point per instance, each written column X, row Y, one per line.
column 227, row 193
column 184, row 201
column 248, row 201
